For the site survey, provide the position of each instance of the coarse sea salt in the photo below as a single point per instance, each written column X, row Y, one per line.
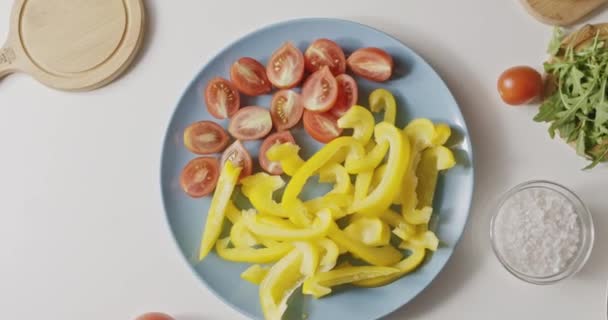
column 537, row 232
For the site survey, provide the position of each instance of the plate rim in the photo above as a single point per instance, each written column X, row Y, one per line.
column 192, row 82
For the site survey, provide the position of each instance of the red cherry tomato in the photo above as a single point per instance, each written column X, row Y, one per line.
column 250, row 123
column 199, row 176
column 286, row 109
column 239, row 156
column 324, row 52
column 205, row 137
column 348, row 94
column 155, row 316
column 320, row 91
column 275, row 138
column 323, row 127
column 519, row 85
column 286, row 67
column 371, row 63
column 222, row 98
column 249, row 76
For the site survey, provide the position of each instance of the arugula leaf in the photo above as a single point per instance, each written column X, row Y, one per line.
column 556, row 41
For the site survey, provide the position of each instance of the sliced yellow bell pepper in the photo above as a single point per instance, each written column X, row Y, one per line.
column 405, row 266
column 336, row 173
column 369, row 161
column 381, row 256
column 382, row 99
column 318, row 229
column 232, row 213
column 287, row 155
column 320, row 285
column 361, row 121
column 398, row 158
column 377, row 177
column 241, row 237
column 336, row 202
column 316, row 162
column 426, row 239
column 432, row 161
column 442, row 134
column 254, row 274
column 281, row 281
column 421, row 133
column 402, row 229
column 329, row 254
column 362, row 184
column 251, row 255
column 215, row 216
column 419, row 216
column 258, row 188
column 370, row 231
column 310, row 257
column 274, row 221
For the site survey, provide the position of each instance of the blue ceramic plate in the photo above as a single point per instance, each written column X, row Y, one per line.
column 419, row 92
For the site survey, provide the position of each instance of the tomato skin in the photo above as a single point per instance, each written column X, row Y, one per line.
column 199, row 176
column 273, row 168
column 220, row 90
column 519, row 85
column 371, row 63
column 320, row 91
column 323, row 127
column 285, row 69
column 286, row 109
column 324, row 52
column 249, row 77
column 250, row 123
column 155, row 316
column 239, row 156
column 348, row 94
column 205, row 137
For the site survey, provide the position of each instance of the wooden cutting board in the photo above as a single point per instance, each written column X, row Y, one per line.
column 74, row 45
column 561, row 12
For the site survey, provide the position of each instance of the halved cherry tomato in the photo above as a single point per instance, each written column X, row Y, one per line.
column 348, row 93
column 222, row 98
column 286, row 67
column 324, row 52
column 249, row 76
column 205, row 137
column 199, row 176
column 323, row 127
column 371, row 63
column 154, row 316
column 275, row 138
column 240, row 157
column 250, row 123
column 286, row 109
column 320, row 91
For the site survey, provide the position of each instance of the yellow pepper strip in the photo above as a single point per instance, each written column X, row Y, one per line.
column 377, row 177
column 427, row 240
column 361, row 121
column 241, row 237
column 215, row 216
column 251, row 255
column 432, row 161
column 320, row 285
column 258, row 188
column 398, row 158
column 369, row 161
column 336, row 173
column 274, row 221
column 298, row 214
column 336, row 202
column 280, row 282
column 362, row 184
column 254, row 274
column 310, row 257
column 405, row 266
column 316, row 162
column 287, row 155
column 421, row 133
column 382, row 99
column 402, row 229
column 318, row 230
column 442, row 134
column 380, row 256
column 370, row 231
column 329, row 254
column 419, row 216
column 233, row 213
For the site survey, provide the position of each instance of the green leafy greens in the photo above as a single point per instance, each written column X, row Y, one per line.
column 578, row 108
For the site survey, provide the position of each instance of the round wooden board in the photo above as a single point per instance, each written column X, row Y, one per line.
column 74, row 45
column 561, row 12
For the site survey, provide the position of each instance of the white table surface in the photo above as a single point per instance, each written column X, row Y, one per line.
column 83, row 233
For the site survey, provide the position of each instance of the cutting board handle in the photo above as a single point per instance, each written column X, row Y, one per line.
column 8, row 61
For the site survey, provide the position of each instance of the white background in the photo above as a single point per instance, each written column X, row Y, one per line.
column 83, row 233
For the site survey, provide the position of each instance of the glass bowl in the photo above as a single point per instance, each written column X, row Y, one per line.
column 586, row 233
